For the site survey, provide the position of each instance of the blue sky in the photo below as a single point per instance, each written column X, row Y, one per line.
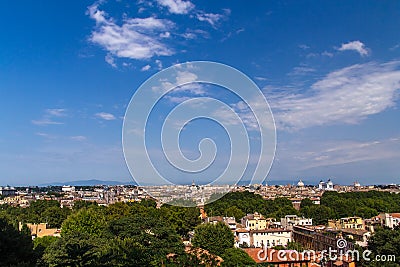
column 330, row 71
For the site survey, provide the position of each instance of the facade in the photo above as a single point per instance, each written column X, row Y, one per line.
column 290, row 220
column 229, row 221
column 41, row 230
column 328, row 186
column 262, row 238
column 390, row 220
column 254, row 222
column 347, row 223
column 68, row 188
column 319, row 239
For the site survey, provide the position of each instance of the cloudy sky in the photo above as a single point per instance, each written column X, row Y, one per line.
column 330, row 72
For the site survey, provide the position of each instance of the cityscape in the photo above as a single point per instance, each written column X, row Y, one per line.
column 188, row 133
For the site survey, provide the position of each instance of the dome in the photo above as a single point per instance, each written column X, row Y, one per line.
column 300, row 183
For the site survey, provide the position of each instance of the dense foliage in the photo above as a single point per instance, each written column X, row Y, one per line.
column 384, row 249
column 238, row 204
column 336, row 205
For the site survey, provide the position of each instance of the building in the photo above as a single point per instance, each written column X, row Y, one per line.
column 68, row 189
column 328, row 186
column 229, row 221
column 318, row 239
column 262, row 238
column 7, row 191
column 347, row 223
column 290, row 220
column 390, row 220
column 254, row 222
column 41, row 230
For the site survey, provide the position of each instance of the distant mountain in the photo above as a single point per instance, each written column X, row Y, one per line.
column 91, row 182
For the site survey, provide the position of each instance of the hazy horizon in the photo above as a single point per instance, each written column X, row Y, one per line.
column 330, row 72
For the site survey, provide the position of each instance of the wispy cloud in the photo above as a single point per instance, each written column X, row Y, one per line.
column 135, row 38
column 105, row 116
column 110, row 60
column 212, row 18
column 345, row 96
column 142, row 38
column 329, row 153
column 56, row 112
column 49, row 115
column 78, row 138
column 304, row 46
column 145, row 68
column 46, row 135
column 44, row 122
column 177, row 6
column 357, row 46
column 301, row 70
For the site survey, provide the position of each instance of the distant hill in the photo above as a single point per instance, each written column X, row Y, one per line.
column 91, row 182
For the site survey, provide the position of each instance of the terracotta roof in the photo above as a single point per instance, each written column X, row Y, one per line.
column 395, row 215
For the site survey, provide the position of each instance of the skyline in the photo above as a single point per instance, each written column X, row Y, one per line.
column 330, row 72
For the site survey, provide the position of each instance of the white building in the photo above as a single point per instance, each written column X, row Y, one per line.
column 68, row 188
column 290, row 220
column 262, row 238
column 7, row 191
column 300, row 184
column 390, row 220
column 328, row 186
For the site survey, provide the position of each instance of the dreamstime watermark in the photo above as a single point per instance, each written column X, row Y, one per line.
column 331, row 254
column 244, row 116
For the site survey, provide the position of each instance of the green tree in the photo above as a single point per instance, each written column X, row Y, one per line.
column 83, row 204
column 215, row 238
column 55, row 216
column 236, row 257
column 153, row 236
column 91, row 221
column 234, row 211
column 386, row 242
column 16, row 248
column 306, row 202
column 182, row 219
column 75, row 250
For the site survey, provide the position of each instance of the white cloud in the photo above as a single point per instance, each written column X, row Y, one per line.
column 355, row 46
column 78, row 138
column 177, row 6
column 145, row 68
column 47, row 136
column 330, row 153
column 304, row 46
column 110, row 60
column 56, row 112
column 344, row 96
column 327, row 54
column 211, row 18
column 105, row 116
column 135, row 38
column 301, row 70
column 49, row 114
column 165, row 34
column 159, row 64
column 44, row 122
